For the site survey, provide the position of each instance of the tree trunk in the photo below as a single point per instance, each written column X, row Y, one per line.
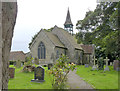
column 8, row 13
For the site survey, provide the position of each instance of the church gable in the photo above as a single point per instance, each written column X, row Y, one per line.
column 41, row 42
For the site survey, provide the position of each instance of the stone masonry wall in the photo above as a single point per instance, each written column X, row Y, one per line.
column 8, row 13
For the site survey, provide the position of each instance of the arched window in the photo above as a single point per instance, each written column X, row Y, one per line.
column 41, row 51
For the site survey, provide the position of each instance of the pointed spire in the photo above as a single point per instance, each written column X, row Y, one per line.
column 68, row 18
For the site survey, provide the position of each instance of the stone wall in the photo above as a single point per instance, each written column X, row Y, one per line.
column 8, row 18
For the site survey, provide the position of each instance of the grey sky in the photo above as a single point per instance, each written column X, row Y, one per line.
column 36, row 14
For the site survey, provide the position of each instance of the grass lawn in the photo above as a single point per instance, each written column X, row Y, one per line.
column 23, row 80
column 99, row 79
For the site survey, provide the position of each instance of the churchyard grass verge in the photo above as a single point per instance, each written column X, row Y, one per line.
column 99, row 79
column 22, row 80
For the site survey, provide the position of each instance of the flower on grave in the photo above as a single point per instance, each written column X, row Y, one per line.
column 73, row 64
column 60, row 69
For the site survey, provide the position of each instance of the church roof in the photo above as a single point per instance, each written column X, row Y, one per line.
column 17, row 55
column 69, row 37
column 68, row 19
column 54, row 39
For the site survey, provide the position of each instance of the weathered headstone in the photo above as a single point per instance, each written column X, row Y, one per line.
column 86, row 65
column 111, row 63
column 100, row 63
column 106, row 68
column 18, row 64
column 22, row 64
column 94, row 66
column 11, row 72
column 116, row 65
column 49, row 66
column 38, row 74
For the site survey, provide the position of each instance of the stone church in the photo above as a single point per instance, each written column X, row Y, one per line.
column 49, row 45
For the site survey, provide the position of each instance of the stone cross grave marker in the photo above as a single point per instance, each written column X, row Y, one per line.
column 94, row 66
column 38, row 74
column 106, row 68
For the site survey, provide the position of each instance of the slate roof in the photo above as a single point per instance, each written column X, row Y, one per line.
column 87, row 48
column 17, row 55
column 68, row 19
column 69, row 37
column 55, row 40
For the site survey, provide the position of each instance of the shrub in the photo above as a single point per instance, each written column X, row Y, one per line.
column 60, row 70
column 28, row 65
column 28, row 61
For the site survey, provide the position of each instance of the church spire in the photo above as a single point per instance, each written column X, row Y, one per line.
column 68, row 23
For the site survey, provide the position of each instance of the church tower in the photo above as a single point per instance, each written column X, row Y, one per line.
column 68, row 26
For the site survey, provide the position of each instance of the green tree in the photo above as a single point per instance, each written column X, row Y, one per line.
column 102, row 29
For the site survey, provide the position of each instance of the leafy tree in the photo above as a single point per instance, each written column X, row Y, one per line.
column 102, row 29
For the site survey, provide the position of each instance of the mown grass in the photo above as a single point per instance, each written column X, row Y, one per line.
column 23, row 80
column 99, row 79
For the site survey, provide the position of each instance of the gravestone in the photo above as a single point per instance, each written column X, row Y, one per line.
column 111, row 63
column 49, row 66
column 38, row 74
column 100, row 63
column 116, row 65
column 11, row 72
column 106, row 68
column 22, row 64
column 94, row 66
column 18, row 64
column 86, row 65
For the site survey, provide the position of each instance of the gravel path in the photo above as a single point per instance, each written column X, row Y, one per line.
column 75, row 82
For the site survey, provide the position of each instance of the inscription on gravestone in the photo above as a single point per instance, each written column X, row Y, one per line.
column 38, row 74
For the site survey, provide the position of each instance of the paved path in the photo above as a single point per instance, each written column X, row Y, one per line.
column 75, row 82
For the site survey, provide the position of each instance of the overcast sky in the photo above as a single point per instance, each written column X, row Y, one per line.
column 36, row 14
